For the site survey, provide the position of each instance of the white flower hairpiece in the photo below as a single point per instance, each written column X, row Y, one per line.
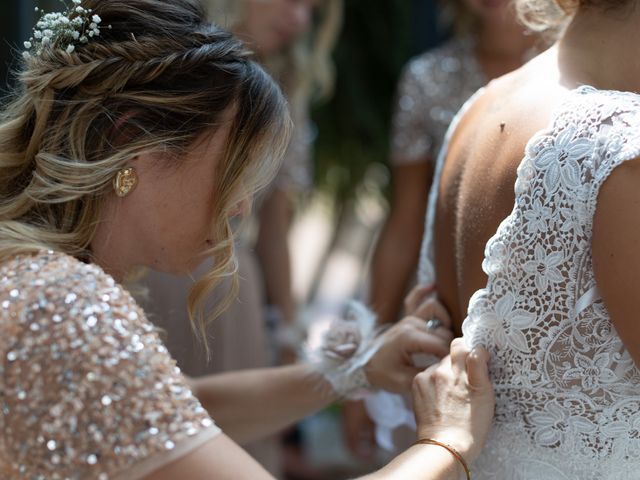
column 66, row 30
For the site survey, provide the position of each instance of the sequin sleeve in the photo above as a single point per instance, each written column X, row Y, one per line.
column 88, row 391
column 432, row 88
column 413, row 135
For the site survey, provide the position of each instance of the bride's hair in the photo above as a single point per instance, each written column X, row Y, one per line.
column 540, row 15
column 157, row 77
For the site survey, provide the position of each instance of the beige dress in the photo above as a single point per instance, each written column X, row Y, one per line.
column 239, row 338
column 87, row 389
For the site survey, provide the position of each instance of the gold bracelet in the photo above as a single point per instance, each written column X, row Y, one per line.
column 453, row 451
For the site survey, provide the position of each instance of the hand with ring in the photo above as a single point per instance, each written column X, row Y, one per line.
column 434, row 323
column 422, row 302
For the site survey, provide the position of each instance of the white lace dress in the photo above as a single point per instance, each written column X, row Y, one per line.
column 568, row 393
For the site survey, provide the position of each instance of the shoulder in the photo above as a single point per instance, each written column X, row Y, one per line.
column 438, row 63
column 63, row 290
column 601, row 125
column 56, row 304
column 456, row 49
column 34, row 274
column 84, row 358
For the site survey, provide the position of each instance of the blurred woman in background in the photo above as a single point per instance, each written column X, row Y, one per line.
column 487, row 42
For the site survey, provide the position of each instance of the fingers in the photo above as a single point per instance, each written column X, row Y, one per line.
column 416, row 296
column 459, row 354
column 418, row 323
column 477, row 368
column 422, row 342
column 432, row 308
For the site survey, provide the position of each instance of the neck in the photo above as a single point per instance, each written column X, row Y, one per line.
column 504, row 40
column 598, row 49
column 108, row 252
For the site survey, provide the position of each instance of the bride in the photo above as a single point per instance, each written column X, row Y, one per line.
column 556, row 299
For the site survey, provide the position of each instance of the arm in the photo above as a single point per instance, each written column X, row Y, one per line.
column 453, row 403
column 616, row 252
column 397, row 251
column 221, row 459
column 273, row 250
column 275, row 216
column 253, row 403
column 413, row 140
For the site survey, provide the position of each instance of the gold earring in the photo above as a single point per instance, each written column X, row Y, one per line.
column 125, row 182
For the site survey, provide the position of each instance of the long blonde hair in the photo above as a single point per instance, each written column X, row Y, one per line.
column 305, row 70
column 160, row 77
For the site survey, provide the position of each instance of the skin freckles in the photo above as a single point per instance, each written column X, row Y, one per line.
column 165, row 223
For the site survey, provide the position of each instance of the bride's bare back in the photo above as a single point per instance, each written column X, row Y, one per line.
column 476, row 190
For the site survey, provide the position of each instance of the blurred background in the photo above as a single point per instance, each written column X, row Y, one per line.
column 337, row 218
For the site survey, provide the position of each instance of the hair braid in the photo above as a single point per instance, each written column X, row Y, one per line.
column 159, row 78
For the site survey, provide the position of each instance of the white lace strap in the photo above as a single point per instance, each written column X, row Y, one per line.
column 588, row 298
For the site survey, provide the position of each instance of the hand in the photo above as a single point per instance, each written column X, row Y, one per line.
column 416, row 297
column 392, row 367
column 454, row 400
column 358, row 430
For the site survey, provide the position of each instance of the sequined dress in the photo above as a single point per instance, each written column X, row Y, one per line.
column 432, row 88
column 87, row 389
column 568, row 392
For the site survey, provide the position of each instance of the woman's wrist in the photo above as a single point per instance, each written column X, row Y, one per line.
column 344, row 350
column 453, row 452
column 457, row 438
column 437, row 461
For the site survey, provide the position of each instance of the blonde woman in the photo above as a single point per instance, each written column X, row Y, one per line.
column 546, row 273
column 137, row 131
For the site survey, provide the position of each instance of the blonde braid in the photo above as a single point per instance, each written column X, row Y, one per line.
column 160, row 79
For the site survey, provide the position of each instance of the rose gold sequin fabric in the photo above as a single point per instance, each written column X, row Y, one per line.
column 431, row 90
column 87, row 390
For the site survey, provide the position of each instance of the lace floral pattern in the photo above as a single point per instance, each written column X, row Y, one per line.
column 568, row 391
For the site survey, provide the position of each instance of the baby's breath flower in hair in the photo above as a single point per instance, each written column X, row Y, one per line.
column 64, row 30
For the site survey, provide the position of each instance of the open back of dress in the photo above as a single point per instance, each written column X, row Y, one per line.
column 568, row 392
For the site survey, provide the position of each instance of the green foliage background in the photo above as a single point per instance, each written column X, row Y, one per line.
column 353, row 127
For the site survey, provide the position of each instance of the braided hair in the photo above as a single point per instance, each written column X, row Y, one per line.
column 160, row 77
